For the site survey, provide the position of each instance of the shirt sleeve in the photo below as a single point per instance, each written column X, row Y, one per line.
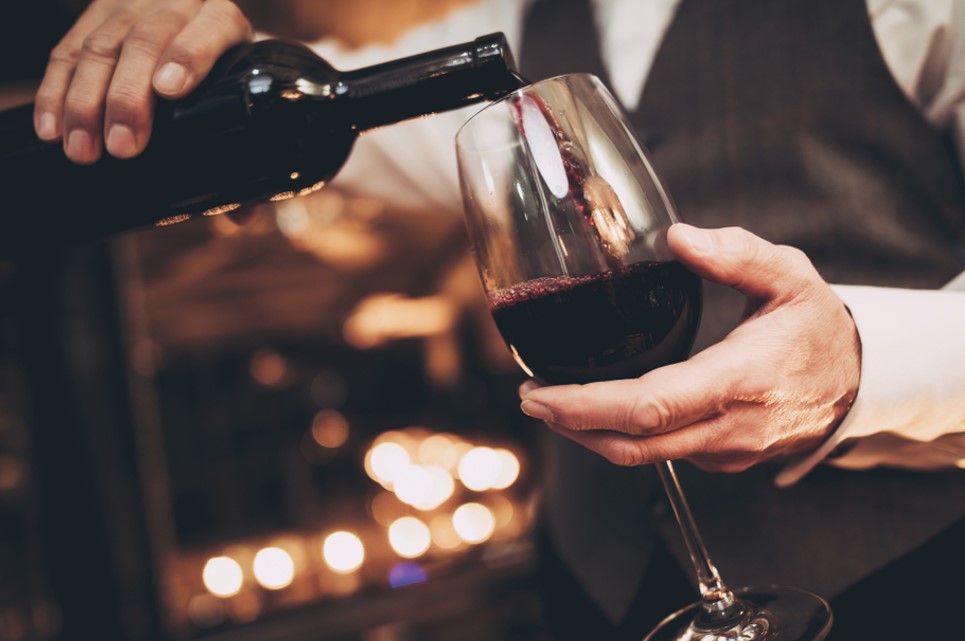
column 413, row 164
column 910, row 408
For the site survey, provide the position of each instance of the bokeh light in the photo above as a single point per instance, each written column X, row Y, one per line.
column 440, row 450
column 424, row 488
column 508, row 469
column 343, row 552
column 409, row 537
column 474, row 523
column 479, row 468
column 274, row 568
column 406, row 573
column 222, row 576
column 269, row 368
column 443, row 533
column 205, row 611
column 330, row 429
column 384, row 461
column 385, row 508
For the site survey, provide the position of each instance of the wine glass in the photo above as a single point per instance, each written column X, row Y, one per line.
column 568, row 222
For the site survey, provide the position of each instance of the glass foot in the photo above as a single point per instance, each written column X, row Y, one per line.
column 769, row 614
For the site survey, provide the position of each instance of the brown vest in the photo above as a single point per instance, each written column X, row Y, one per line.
column 782, row 117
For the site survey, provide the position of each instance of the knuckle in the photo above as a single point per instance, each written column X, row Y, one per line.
column 627, row 456
column 103, row 46
column 81, row 109
column 798, row 267
column 125, row 104
column 67, row 52
column 656, row 415
column 145, row 36
column 48, row 99
column 797, row 258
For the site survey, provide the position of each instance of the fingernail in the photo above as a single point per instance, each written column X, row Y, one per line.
column 528, row 387
column 47, row 126
column 171, row 78
column 536, row 410
column 80, row 146
column 698, row 239
column 121, row 142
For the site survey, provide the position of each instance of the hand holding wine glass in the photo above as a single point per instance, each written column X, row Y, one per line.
column 773, row 388
column 574, row 240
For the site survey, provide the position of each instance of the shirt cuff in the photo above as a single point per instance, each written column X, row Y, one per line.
column 912, row 380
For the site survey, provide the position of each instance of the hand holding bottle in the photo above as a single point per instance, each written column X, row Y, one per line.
column 100, row 84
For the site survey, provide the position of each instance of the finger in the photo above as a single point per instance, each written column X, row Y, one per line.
column 218, row 26
column 527, row 387
column 84, row 103
column 130, row 99
column 631, row 451
column 49, row 101
column 663, row 400
column 737, row 258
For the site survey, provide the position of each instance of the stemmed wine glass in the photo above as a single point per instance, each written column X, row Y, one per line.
column 568, row 222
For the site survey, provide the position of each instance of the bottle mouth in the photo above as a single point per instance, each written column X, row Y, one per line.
column 494, row 48
column 492, row 53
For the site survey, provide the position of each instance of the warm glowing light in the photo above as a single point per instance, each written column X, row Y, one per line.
column 443, row 533
column 12, row 473
column 508, row 469
column 343, row 552
column 274, row 568
column 386, row 508
column 479, row 468
column 283, row 196
column 424, row 488
column 474, row 523
column 385, row 461
column 205, row 611
column 222, row 576
column 409, row 537
column 440, row 450
column 308, row 191
column 502, row 509
column 172, row 220
column 268, row 368
column 295, row 175
column 293, row 219
column 330, row 429
column 384, row 317
column 222, row 209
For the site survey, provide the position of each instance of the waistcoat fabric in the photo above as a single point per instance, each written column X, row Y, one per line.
column 782, row 117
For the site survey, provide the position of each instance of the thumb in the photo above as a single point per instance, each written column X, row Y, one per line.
column 735, row 257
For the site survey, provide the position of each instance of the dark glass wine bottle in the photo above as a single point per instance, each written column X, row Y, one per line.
column 272, row 120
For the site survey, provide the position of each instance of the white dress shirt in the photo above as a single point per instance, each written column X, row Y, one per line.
column 910, row 408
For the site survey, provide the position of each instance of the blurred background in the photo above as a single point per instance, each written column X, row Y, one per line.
column 305, row 427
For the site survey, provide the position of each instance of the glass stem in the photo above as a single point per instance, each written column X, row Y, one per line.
column 719, row 607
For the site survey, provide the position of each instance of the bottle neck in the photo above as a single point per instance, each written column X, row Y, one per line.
column 428, row 83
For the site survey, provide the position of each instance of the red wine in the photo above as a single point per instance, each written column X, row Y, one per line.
column 620, row 323
column 271, row 121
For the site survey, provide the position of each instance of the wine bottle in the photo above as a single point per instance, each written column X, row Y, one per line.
column 272, row 121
